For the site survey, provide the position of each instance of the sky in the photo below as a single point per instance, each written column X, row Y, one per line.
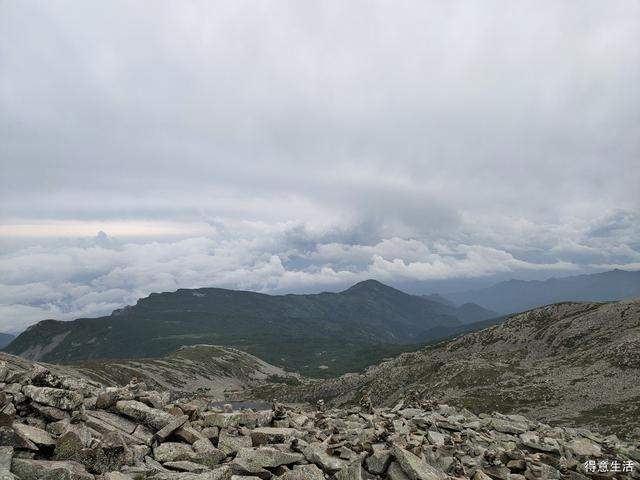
column 304, row 146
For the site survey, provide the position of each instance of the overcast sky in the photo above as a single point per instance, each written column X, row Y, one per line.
column 303, row 146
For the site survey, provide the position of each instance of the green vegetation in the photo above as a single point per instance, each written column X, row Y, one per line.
column 319, row 335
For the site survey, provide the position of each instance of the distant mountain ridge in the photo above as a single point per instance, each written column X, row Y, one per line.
column 519, row 295
column 319, row 334
column 5, row 339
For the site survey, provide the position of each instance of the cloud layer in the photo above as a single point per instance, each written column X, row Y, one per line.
column 300, row 146
column 72, row 278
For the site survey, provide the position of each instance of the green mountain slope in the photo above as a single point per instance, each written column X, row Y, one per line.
column 318, row 335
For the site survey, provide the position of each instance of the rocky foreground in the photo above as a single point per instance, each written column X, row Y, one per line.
column 55, row 427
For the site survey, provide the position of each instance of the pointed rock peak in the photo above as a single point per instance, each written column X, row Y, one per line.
column 370, row 285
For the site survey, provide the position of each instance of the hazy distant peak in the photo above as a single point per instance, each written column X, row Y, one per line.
column 5, row 339
column 436, row 297
column 519, row 295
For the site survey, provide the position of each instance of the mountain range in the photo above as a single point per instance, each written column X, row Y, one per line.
column 569, row 363
column 318, row 334
column 519, row 295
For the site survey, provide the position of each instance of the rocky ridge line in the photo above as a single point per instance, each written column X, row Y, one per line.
column 568, row 364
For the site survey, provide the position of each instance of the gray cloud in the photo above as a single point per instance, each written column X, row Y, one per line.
column 296, row 145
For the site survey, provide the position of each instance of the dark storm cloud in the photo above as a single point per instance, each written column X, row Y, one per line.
column 303, row 145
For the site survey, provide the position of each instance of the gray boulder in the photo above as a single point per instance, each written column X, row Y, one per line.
column 141, row 413
column 416, row 468
column 54, row 397
column 27, row 469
